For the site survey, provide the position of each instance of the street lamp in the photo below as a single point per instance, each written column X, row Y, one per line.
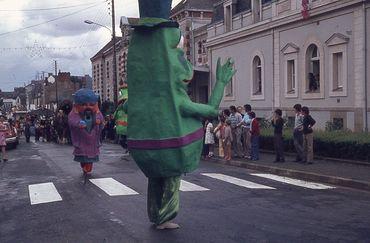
column 113, row 32
column 92, row 22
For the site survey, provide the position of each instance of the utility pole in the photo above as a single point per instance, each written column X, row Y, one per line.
column 115, row 89
column 56, row 83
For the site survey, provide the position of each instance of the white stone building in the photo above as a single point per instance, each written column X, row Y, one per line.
column 313, row 52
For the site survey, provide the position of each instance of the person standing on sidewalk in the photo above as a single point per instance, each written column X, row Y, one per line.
column 227, row 141
column 246, row 124
column 255, row 134
column 3, row 130
column 278, row 124
column 27, row 130
column 220, row 134
column 236, row 130
column 209, row 139
column 308, row 123
column 298, row 133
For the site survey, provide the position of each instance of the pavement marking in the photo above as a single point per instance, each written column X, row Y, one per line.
column 186, row 186
column 43, row 193
column 236, row 181
column 113, row 187
column 295, row 182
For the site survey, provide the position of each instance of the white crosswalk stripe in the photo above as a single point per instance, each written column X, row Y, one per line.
column 295, row 182
column 186, row 186
column 113, row 187
column 237, row 181
column 43, row 193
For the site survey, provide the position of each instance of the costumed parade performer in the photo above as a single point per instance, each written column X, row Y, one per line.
column 86, row 123
column 121, row 118
column 166, row 140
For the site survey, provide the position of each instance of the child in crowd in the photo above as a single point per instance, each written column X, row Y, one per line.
column 220, row 134
column 3, row 130
column 228, row 140
column 255, row 134
column 209, row 139
column 308, row 123
column 278, row 124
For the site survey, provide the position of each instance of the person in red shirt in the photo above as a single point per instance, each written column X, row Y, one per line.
column 255, row 134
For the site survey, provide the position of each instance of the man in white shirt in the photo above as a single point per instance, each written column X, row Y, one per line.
column 236, row 130
column 298, row 133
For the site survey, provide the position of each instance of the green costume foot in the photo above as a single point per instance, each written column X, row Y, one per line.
column 163, row 199
column 168, row 225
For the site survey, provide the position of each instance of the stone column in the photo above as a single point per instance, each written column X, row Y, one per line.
column 359, row 68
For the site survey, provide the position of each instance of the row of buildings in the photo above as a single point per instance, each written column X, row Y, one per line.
column 49, row 91
column 313, row 52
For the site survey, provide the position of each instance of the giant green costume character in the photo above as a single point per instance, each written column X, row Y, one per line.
column 164, row 126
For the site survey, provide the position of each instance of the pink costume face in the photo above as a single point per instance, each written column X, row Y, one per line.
column 87, row 106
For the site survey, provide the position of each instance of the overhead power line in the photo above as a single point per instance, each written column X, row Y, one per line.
column 52, row 8
column 51, row 20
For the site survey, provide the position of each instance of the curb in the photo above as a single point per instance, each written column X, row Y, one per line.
column 333, row 160
column 302, row 175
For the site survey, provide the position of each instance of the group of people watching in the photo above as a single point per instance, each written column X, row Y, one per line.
column 56, row 129
column 238, row 132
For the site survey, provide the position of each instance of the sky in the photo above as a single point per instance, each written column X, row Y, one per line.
column 35, row 33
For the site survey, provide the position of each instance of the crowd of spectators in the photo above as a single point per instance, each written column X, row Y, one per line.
column 238, row 134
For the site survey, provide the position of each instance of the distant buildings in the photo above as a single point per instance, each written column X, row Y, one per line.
column 15, row 99
column 54, row 90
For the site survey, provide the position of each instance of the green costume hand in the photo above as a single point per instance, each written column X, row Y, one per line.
column 225, row 72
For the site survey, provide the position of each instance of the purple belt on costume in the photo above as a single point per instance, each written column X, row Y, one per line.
column 166, row 143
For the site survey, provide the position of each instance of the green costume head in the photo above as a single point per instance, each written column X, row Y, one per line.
column 165, row 134
column 120, row 115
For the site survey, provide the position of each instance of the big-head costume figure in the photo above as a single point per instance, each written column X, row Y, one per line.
column 86, row 123
column 164, row 126
column 120, row 117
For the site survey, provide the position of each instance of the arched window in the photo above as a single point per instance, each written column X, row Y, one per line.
column 257, row 76
column 313, row 69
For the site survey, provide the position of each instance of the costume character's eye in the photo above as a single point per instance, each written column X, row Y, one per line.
column 181, row 43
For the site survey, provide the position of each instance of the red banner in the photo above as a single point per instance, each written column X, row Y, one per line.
column 305, row 9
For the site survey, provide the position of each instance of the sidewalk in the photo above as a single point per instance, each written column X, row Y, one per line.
column 333, row 172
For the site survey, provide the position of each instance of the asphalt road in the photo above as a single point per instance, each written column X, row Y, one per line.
column 224, row 213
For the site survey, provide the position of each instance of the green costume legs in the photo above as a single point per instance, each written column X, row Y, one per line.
column 163, row 199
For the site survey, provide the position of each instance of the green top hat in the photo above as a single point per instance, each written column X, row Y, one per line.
column 155, row 8
column 155, row 14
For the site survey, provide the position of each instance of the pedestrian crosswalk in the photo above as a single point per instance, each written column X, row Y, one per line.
column 48, row 193
column 186, row 186
column 43, row 193
column 236, row 181
column 113, row 187
column 295, row 182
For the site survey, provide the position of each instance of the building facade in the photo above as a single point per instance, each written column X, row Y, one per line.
column 193, row 17
column 102, row 69
column 313, row 52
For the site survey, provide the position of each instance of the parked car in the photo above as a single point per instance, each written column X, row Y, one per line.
column 12, row 139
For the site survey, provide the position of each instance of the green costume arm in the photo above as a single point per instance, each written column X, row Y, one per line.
column 125, row 106
column 189, row 108
column 224, row 74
